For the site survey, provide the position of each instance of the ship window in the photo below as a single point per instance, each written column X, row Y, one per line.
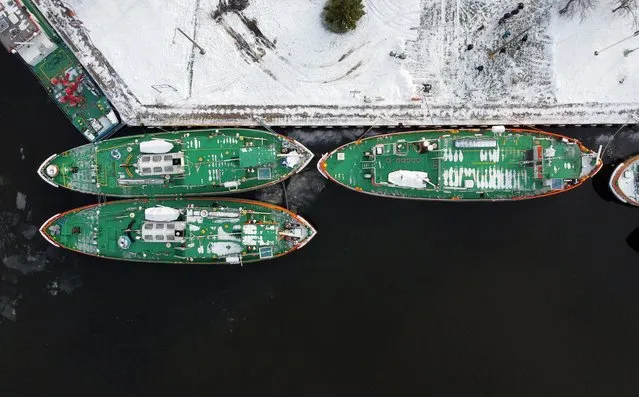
column 159, row 237
column 148, row 237
column 148, row 226
column 263, row 174
column 157, row 169
column 177, row 161
column 170, row 226
column 168, row 169
column 266, row 252
column 168, row 157
column 146, row 159
column 170, row 238
column 159, row 226
column 146, row 170
column 157, row 158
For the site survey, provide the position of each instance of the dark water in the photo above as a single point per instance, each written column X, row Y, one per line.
column 535, row 298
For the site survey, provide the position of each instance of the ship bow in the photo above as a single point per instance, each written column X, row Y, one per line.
column 321, row 165
column 623, row 182
column 48, row 171
column 44, row 230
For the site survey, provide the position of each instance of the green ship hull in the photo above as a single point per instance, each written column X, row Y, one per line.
column 204, row 231
column 24, row 31
column 467, row 165
column 171, row 164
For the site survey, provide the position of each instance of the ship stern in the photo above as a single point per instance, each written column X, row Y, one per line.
column 591, row 162
column 307, row 156
column 298, row 156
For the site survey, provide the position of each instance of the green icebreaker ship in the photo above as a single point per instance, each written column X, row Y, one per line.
column 24, row 31
column 189, row 230
column 468, row 165
column 215, row 161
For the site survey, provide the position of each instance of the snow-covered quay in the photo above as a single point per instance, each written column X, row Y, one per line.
column 414, row 62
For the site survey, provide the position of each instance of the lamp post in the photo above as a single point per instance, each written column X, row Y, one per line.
column 614, row 44
column 202, row 51
column 628, row 52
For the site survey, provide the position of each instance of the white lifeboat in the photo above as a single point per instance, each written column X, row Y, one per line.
column 155, row 146
column 293, row 159
column 411, row 179
column 161, row 214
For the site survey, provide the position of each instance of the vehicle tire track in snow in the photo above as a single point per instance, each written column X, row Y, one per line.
column 351, row 51
column 351, row 70
column 254, row 53
column 240, row 43
column 246, row 49
column 252, row 26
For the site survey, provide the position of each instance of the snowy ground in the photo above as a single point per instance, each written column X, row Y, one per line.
column 274, row 60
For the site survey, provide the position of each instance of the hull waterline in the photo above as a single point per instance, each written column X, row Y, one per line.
column 462, row 165
column 182, row 163
column 203, row 231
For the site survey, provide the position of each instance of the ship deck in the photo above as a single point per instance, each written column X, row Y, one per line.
column 508, row 167
column 214, row 162
column 213, row 231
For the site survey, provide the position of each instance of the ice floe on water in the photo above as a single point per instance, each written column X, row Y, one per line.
column 328, row 139
column 312, row 138
column 31, row 262
column 303, row 189
column 8, row 307
column 28, row 230
column 21, row 201
column 272, row 194
column 8, row 221
column 617, row 145
column 67, row 282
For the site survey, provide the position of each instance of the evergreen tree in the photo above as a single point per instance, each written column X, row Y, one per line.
column 342, row 15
